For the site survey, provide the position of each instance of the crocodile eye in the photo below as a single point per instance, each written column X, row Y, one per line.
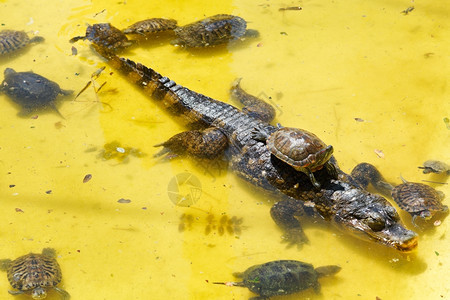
column 392, row 212
column 375, row 224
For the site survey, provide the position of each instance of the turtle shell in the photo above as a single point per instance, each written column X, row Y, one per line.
column 281, row 277
column 107, row 36
column 151, row 26
column 30, row 90
column 417, row 197
column 34, row 270
column 211, row 31
column 12, row 40
column 299, row 148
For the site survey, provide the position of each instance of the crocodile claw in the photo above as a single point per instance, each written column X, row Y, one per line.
column 295, row 236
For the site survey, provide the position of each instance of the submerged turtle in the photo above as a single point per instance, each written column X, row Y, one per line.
column 301, row 149
column 31, row 91
column 418, row 199
column 435, row 166
column 13, row 40
column 106, row 36
column 211, row 31
column 151, row 26
column 34, row 273
column 282, row 277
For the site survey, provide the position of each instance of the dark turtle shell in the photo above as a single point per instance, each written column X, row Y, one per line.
column 299, row 148
column 283, row 277
column 215, row 30
column 30, row 90
column 13, row 40
column 418, row 199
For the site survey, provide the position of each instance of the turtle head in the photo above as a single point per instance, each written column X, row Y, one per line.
column 8, row 71
column 371, row 217
column 317, row 160
column 39, row 293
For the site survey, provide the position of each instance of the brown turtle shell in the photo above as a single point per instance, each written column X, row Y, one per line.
column 297, row 147
column 417, row 197
column 13, row 40
column 151, row 26
column 34, row 270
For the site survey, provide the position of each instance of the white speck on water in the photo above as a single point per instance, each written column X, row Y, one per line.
column 30, row 22
column 120, row 149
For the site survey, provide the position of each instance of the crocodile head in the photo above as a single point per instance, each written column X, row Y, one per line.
column 371, row 217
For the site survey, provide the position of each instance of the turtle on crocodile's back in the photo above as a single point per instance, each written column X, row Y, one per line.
column 34, row 274
column 301, row 149
column 282, row 277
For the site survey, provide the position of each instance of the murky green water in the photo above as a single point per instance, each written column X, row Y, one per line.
column 361, row 75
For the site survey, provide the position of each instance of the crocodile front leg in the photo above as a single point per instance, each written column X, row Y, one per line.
column 285, row 214
column 253, row 106
column 209, row 143
column 364, row 174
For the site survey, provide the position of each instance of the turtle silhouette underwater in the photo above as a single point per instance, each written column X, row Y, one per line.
column 281, row 277
column 31, row 91
column 34, row 274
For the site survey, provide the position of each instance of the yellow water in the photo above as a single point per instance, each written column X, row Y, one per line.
column 323, row 66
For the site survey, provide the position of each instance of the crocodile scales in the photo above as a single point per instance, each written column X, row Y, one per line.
column 342, row 201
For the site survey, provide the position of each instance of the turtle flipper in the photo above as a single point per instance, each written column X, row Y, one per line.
column 4, row 264
column 15, row 293
column 253, row 106
column 64, row 295
column 209, row 143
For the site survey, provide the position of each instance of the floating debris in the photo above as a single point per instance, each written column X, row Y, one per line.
column 87, row 178
column 379, row 153
column 290, row 8
column 116, row 151
column 408, row 10
column 122, row 200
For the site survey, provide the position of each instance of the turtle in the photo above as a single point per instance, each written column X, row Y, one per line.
column 435, row 166
column 151, row 26
column 418, row 199
column 106, row 36
column 211, row 31
column 34, row 274
column 31, row 91
column 300, row 149
column 282, row 277
column 13, row 40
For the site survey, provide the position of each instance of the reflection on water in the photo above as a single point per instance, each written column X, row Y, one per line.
column 367, row 78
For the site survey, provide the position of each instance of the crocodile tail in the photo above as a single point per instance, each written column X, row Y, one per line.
column 151, row 82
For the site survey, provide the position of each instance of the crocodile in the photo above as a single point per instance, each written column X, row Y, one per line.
column 342, row 200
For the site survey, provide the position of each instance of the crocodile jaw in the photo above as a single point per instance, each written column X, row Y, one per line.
column 371, row 217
